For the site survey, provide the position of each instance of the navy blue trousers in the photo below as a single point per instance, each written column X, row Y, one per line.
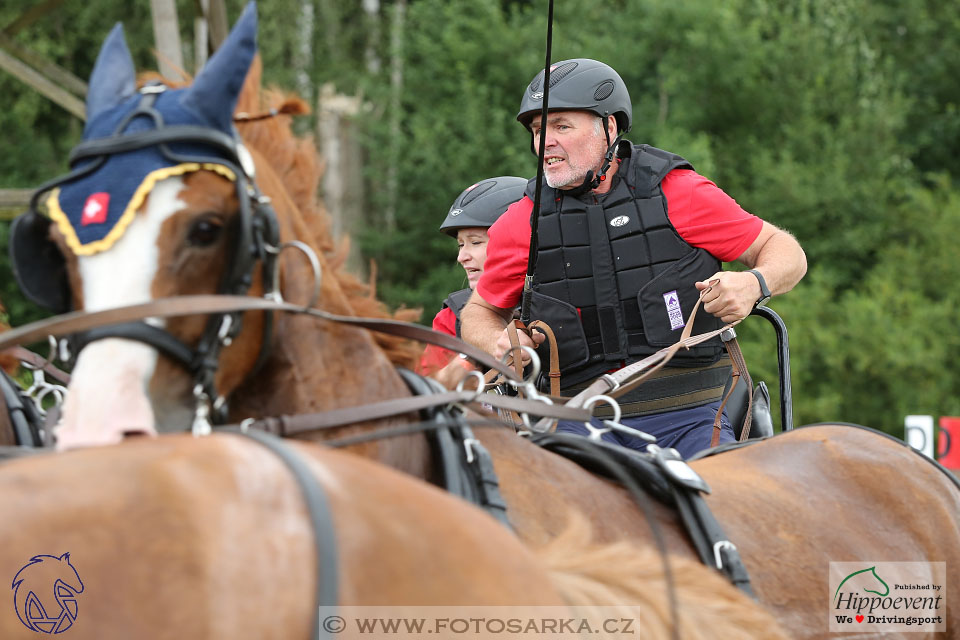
column 686, row 430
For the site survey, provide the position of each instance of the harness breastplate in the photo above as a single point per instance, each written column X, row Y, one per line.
column 614, row 279
column 456, row 301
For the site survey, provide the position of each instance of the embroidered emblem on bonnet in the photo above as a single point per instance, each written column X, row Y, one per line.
column 95, row 211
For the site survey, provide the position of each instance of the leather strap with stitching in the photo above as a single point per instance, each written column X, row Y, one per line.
column 287, row 426
column 554, row 373
column 738, row 371
column 76, row 321
column 38, row 362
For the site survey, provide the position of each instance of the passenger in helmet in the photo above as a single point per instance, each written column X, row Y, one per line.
column 628, row 237
column 471, row 214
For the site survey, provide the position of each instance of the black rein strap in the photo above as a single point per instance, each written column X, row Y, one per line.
column 321, row 517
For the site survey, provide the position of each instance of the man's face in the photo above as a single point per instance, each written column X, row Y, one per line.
column 575, row 144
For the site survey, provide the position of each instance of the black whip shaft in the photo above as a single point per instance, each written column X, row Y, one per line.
column 535, row 217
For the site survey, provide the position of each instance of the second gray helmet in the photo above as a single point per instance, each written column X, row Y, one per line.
column 580, row 84
column 480, row 205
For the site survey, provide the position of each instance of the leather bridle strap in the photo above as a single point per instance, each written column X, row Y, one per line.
column 37, row 362
column 739, row 364
column 513, row 332
column 554, row 372
column 78, row 321
column 287, row 426
column 321, row 517
column 738, row 371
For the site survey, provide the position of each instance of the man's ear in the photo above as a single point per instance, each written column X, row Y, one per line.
column 612, row 126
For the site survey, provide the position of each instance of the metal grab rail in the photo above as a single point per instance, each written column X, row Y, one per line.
column 783, row 364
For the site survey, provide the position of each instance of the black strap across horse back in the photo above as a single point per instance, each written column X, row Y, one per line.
column 594, row 456
column 465, row 464
column 324, row 536
column 665, row 476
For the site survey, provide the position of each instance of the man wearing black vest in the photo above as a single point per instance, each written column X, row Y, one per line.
column 629, row 235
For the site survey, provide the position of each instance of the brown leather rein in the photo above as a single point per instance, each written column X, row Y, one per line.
column 613, row 384
column 292, row 425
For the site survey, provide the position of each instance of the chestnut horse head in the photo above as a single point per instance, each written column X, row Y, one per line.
column 166, row 197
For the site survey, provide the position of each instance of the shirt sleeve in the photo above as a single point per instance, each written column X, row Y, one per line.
column 435, row 358
column 508, row 248
column 706, row 217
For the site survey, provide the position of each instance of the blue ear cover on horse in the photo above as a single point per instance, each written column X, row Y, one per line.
column 215, row 91
column 113, row 79
column 94, row 209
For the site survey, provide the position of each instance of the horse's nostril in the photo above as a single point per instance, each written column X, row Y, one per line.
column 130, row 433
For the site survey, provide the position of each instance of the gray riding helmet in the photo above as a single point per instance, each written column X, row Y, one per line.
column 580, row 84
column 480, row 205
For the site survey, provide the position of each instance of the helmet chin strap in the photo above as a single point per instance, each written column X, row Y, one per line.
column 591, row 181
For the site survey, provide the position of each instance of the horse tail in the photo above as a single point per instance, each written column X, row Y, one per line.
column 630, row 578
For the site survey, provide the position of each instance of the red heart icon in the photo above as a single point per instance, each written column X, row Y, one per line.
column 859, row 618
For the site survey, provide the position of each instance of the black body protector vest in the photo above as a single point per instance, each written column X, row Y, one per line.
column 456, row 301
column 614, row 279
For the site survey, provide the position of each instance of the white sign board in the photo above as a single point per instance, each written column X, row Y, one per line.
column 918, row 432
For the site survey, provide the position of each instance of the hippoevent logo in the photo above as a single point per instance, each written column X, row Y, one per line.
column 888, row 596
column 45, row 592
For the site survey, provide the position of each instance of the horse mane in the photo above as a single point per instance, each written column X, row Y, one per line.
column 296, row 161
column 630, row 577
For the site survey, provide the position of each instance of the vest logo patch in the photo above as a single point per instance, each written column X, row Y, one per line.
column 619, row 221
column 672, row 303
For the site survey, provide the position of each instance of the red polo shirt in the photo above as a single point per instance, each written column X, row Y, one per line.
column 435, row 358
column 699, row 210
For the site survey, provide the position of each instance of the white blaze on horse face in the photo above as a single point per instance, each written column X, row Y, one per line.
column 108, row 390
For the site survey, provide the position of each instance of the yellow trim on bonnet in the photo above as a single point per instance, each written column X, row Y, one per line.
column 70, row 234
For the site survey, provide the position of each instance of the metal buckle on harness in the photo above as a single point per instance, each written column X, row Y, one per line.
column 717, row 546
column 201, row 417
column 529, row 387
column 468, row 444
column 223, row 334
column 677, row 469
column 614, row 385
column 612, row 425
column 481, row 384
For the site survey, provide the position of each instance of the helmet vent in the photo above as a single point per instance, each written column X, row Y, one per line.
column 477, row 191
column 604, row 90
column 556, row 75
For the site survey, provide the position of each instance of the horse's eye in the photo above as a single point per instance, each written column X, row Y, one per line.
column 204, row 232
